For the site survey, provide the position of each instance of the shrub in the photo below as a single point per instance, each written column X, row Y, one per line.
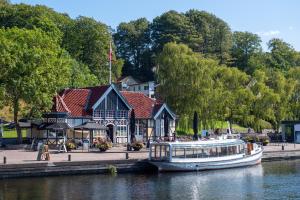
column 137, row 146
column 103, row 145
column 71, row 146
column 112, row 169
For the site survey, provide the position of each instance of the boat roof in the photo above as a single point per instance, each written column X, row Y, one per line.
column 211, row 142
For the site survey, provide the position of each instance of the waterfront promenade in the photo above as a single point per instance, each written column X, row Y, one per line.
column 22, row 156
column 23, row 163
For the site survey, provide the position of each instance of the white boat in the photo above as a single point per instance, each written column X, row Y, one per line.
column 204, row 154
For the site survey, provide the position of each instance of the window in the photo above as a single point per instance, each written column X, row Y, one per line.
column 110, row 113
column 122, row 130
column 122, row 114
column 146, row 87
column 99, row 113
column 160, row 152
column 99, row 133
column 140, row 127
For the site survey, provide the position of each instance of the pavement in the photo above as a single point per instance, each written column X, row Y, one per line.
column 116, row 153
column 22, row 156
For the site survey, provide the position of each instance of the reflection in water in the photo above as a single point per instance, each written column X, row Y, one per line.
column 274, row 180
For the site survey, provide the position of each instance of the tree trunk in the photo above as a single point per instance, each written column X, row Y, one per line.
column 230, row 126
column 18, row 128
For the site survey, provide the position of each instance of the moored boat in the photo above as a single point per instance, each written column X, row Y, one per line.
column 204, row 154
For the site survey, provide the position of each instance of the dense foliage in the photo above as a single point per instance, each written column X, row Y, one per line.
column 198, row 62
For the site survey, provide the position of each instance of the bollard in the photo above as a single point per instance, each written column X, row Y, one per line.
column 127, row 156
column 4, row 160
column 69, row 157
column 282, row 147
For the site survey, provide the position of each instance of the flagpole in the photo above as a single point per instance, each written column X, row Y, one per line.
column 110, row 57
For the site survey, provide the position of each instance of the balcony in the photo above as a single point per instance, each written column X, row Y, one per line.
column 111, row 114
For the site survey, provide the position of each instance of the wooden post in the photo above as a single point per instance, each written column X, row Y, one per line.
column 69, row 157
column 4, row 160
column 127, row 156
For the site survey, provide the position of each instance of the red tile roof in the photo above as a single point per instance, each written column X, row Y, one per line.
column 72, row 101
column 143, row 105
column 96, row 94
column 79, row 102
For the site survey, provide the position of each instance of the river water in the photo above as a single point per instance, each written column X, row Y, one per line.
column 272, row 180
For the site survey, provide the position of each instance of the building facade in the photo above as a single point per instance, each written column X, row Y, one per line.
column 128, row 83
column 110, row 108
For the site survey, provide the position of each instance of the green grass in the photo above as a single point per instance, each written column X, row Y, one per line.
column 12, row 133
column 218, row 124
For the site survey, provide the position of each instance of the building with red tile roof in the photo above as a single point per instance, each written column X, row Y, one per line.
column 111, row 108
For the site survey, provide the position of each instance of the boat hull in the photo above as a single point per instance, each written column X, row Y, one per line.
column 199, row 166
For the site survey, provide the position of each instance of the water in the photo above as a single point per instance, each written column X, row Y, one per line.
column 273, row 180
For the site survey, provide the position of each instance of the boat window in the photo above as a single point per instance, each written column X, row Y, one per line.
column 205, row 152
column 160, row 152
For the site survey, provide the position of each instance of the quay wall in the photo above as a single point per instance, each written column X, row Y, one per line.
column 102, row 167
column 73, row 168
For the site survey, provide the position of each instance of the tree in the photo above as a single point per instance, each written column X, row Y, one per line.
column 185, row 82
column 282, row 55
column 173, row 27
column 33, row 68
column 215, row 38
column 31, row 17
column 245, row 45
column 238, row 98
column 88, row 42
column 284, row 88
column 4, row 2
column 294, row 74
column 133, row 45
column 195, row 126
column 81, row 76
column 262, row 112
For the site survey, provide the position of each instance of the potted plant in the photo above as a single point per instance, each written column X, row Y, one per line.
column 70, row 146
column 137, row 146
column 265, row 142
column 103, row 145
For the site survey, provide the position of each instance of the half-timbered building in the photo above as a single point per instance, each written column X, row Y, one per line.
column 110, row 108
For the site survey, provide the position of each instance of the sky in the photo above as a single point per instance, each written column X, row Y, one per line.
column 267, row 18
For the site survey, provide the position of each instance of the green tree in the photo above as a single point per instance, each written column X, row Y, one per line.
column 245, row 46
column 31, row 17
column 284, row 88
column 133, row 45
column 237, row 98
column 32, row 68
column 88, row 42
column 81, row 76
column 282, row 55
column 215, row 37
column 173, row 27
column 185, row 82
column 294, row 74
column 262, row 112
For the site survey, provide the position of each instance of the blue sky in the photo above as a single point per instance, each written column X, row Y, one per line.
column 268, row 18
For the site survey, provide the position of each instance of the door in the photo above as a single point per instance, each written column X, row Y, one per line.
column 297, row 138
column 110, row 132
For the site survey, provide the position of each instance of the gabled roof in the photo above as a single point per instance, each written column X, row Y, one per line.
column 72, row 101
column 95, row 94
column 108, row 90
column 81, row 102
column 142, row 105
column 162, row 108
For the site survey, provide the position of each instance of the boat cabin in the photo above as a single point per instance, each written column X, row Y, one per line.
column 176, row 151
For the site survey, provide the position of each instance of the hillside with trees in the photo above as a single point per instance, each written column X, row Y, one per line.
column 199, row 63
